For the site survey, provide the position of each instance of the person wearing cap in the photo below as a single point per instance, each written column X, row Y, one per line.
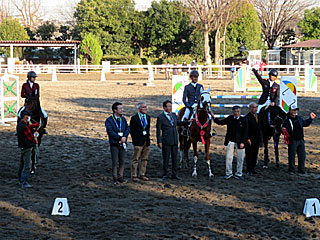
column 294, row 137
column 236, row 138
column 118, row 131
column 26, row 142
column 270, row 89
column 140, row 134
column 32, row 89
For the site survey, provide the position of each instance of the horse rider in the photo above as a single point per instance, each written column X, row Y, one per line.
column 270, row 89
column 30, row 88
column 191, row 94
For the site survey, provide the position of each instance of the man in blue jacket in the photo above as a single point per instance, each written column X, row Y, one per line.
column 293, row 131
column 118, row 132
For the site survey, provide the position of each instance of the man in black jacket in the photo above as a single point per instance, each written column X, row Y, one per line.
column 167, row 138
column 293, row 128
column 254, row 138
column 236, row 137
column 140, row 134
column 270, row 89
column 26, row 141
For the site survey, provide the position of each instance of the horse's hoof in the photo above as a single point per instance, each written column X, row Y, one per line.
column 265, row 166
column 32, row 172
column 277, row 165
column 211, row 175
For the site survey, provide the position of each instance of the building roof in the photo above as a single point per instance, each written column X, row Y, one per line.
column 39, row 43
column 314, row 43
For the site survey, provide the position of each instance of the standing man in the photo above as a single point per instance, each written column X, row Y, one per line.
column 254, row 138
column 232, row 70
column 118, row 132
column 236, row 137
column 293, row 131
column 31, row 88
column 184, row 69
column 26, row 141
column 140, row 134
column 167, row 138
column 270, row 89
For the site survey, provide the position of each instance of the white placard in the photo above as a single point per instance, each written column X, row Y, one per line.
column 311, row 207
column 178, row 84
column 288, row 92
column 61, row 207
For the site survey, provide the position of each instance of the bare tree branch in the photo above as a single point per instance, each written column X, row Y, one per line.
column 278, row 15
column 213, row 16
column 30, row 11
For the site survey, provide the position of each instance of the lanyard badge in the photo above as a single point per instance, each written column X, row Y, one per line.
column 118, row 126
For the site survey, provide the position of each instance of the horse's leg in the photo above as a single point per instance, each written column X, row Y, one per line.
column 195, row 158
column 266, row 154
column 208, row 156
column 188, row 145
column 276, row 139
column 181, row 151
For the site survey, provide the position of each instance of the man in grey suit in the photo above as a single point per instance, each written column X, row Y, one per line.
column 167, row 138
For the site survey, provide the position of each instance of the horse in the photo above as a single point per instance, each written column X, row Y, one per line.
column 199, row 132
column 33, row 105
column 272, row 119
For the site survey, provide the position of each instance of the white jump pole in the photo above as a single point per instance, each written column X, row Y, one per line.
column 151, row 77
column 54, row 75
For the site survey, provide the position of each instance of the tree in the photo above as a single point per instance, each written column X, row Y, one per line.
column 310, row 24
column 278, row 15
column 110, row 21
column 46, row 31
column 168, row 27
column 11, row 29
column 213, row 16
column 90, row 50
column 30, row 11
column 244, row 31
column 5, row 10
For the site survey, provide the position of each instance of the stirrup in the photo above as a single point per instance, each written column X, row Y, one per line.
column 213, row 132
column 185, row 132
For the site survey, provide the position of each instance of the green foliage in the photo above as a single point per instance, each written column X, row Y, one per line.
column 123, row 60
column 46, row 31
column 168, row 28
column 245, row 31
column 90, row 50
column 310, row 24
column 11, row 29
column 179, row 59
column 197, row 48
column 110, row 21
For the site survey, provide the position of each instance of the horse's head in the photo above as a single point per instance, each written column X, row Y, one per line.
column 33, row 105
column 277, row 116
column 205, row 100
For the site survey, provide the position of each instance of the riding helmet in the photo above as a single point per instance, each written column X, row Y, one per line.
column 31, row 74
column 25, row 112
column 273, row 72
column 194, row 73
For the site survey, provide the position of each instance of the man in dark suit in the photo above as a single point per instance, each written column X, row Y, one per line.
column 236, row 137
column 140, row 134
column 293, row 131
column 254, row 138
column 167, row 138
column 118, row 132
column 270, row 89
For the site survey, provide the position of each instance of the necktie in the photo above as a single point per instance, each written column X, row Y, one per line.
column 256, row 117
column 118, row 122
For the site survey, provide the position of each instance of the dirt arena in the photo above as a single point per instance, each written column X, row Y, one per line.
column 75, row 164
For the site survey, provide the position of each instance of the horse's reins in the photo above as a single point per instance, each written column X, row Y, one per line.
column 202, row 132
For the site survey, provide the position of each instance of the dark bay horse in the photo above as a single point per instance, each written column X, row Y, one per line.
column 33, row 105
column 271, row 122
column 199, row 132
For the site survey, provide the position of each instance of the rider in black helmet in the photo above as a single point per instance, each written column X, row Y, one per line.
column 31, row 89
column 191, row 95
column 270, row 89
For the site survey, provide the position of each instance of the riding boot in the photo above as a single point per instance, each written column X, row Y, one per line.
column 44, row 125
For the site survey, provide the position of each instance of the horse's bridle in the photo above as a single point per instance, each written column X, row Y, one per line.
column 207, row 108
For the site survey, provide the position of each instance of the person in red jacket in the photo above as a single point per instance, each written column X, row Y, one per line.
column 31, row 88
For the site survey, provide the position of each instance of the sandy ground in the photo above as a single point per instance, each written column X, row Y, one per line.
column 75, row 163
